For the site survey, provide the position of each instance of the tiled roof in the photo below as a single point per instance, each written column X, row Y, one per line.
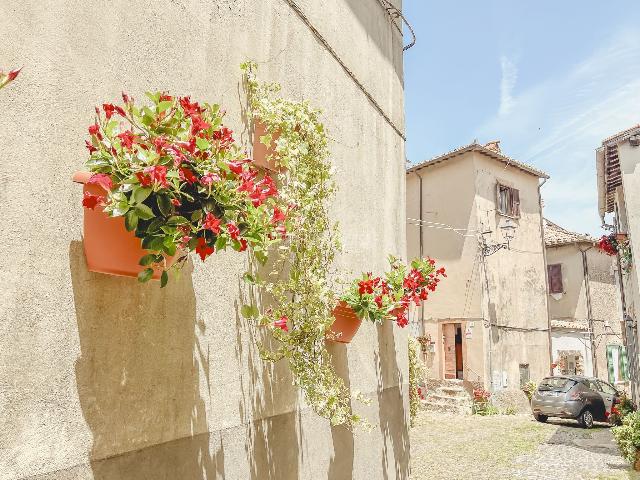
column 490, row 151
column 555, row 235
column 569, row 324
column 620, row 135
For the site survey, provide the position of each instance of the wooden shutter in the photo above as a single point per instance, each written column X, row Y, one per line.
column 555, row 278
column 624, row 363
column 610, row 369
column 515, row 202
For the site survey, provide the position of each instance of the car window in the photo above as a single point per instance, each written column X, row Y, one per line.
column 591, row 385
column 606, row 388
column 557, row 384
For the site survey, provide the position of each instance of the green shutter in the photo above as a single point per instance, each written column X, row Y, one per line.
column 624, row 365
column 610, row 362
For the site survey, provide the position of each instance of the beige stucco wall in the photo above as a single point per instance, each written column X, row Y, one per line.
column 103, row 378
column 605, row 303
column 460, row 192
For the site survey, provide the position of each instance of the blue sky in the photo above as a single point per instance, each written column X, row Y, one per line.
column 550, row 79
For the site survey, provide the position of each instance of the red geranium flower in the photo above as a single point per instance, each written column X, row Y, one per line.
column 197, row 124
column 224, row 135
column 243, row 245
column 209, row 178
column 237, row 166
column 165, row 97
column 203, row 249
column 13, row 74
column 278, row 216
column 95, row 130
column 188, row 176
column 91, row 201
column 158, row 174
column 282, row 323
column 127, row 138
column 212, row 223
column 101, row 179
column 233, row 230
column 90, row 147
column 190, row 108
column 109, row 108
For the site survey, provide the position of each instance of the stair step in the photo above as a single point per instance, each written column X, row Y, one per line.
column 450, row 400
column 433, row 406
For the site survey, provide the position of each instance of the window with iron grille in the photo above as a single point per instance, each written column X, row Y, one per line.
column 508, row 200
column 524, row 374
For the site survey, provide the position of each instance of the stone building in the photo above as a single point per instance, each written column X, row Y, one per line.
column 586, row 320
column 478, row 213
column 104, row 378
column 618, row 173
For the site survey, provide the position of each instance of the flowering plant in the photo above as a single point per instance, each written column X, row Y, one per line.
column 378, row 299
column 481, row 395
column 7, row 78
column 528, row 388
column 616, row 244
column 176, row 175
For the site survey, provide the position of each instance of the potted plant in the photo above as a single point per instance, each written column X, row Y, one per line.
column 167, row 179
column 627, row 437
column 618, row 244
column 264, row 147
column 378, row 299
column 528, row 389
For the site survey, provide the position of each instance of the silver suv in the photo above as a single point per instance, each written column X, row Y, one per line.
column 582, row 398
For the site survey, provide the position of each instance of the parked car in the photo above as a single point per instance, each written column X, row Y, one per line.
column 581, row 398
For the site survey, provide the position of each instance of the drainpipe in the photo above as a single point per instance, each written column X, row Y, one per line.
column 421, row 243
column 587, row 289
column 546, row 275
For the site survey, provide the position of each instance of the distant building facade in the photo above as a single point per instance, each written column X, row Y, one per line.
column 489, row 321
column 586, row 318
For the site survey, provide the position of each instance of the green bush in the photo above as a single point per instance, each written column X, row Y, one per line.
column 627, row 436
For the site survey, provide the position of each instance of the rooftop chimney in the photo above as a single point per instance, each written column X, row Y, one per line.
column 494, row 146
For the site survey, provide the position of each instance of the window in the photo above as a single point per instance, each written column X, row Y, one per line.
column 606, row 388
column 524, row 374
column 508, row 201
column 555, row 278
column 617, row 363
column 557, row 384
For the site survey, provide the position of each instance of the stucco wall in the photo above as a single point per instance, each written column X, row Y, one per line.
column 517, row 290
column 605, row 300
column 460, row 192
column 103, row 378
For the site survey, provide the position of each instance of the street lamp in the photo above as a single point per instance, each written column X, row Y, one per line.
column 508, row 228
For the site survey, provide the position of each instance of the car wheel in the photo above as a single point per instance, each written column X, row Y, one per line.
column 586, row 419
column 539, row 417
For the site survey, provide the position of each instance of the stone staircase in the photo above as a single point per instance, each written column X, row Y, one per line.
column 449, row 396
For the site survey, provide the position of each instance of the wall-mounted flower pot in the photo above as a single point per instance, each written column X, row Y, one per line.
column 108, row 246
column 621, row 237
column 263, row 156
column 346, row 324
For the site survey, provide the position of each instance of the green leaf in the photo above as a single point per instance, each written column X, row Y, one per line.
column 147, row 260
column 154, row 226
column 153, row 96
column 249, row 311
column 164, row 204
column 140, row 194
column 145, row 275
column 247, row 277
column 164, row 278
column 130, row 220
column 144, row 212
column 151, row 242
column 162, row 106
column 169, row 246
column 120, row 209
column 261, row 256
column 197, row 215
column 221, row 242
column 202, row 144
column 177, row 220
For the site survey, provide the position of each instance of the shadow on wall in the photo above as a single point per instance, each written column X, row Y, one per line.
column 341, row 465
column 138, row 377
column 273, row 438
column 392, row 413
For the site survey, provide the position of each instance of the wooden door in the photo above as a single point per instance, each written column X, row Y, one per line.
column 449, row 334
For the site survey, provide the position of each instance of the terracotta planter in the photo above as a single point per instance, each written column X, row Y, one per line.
column 345, row 326
column 262, row 152
column 621, row 237
column 636, row 463
column 108, row 246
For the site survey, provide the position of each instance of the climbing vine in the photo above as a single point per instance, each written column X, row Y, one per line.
column 299, row 281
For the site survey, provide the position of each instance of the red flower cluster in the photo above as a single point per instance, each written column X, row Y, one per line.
column 608, row 245
column 481, row 395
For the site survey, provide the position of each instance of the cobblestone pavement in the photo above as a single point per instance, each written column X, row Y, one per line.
column 512, row 447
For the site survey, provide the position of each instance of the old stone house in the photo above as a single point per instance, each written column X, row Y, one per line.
column 104, row 378
column 478, row 213
column 618, row 174
column 586, row 320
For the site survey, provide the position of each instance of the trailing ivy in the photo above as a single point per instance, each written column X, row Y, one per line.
column 299, row 282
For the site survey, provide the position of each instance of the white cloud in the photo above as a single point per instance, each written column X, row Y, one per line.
column 557, row 124
column 507, row 84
